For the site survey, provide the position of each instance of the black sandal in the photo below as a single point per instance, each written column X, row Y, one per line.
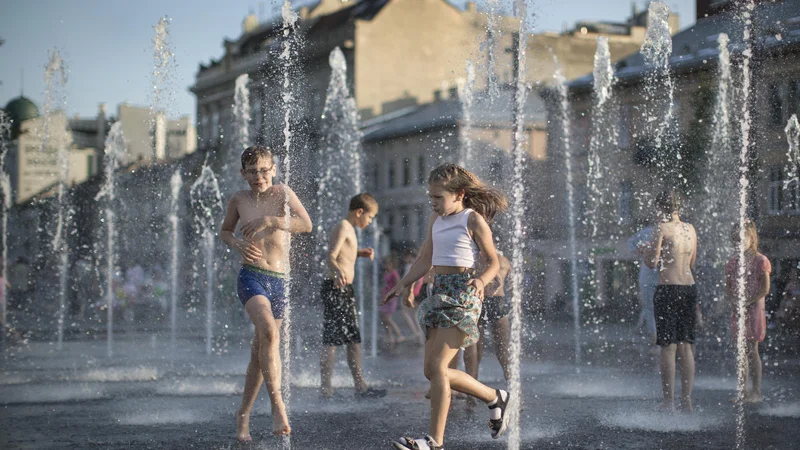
column 406, row 443
column 499, row 426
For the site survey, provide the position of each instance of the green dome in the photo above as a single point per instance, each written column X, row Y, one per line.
column 19, row 110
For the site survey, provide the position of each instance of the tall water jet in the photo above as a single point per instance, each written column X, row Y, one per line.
column 718, row 206
column 55, row 79
column 565, row 118
column 241, row 130
column 465, row 88
column 517, row 210
column 376, row 265
column 114, row 152
column 492, row 29
column 603, row 142
column 163, row 67
column 341, row 175
column 658, row 86
column 176, row 183
column 792, row 131
column 207, row 205
column 289, row 54
column 5, row 204
column 745, row 15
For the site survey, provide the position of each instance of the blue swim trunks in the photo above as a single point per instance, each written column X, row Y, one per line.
column 257, row 281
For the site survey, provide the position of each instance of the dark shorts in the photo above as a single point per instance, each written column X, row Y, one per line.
column 674, row 308
column 341, row 321
column 256, row 281
column 494, row 308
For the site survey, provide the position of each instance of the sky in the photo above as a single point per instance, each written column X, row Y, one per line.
column 107, row 44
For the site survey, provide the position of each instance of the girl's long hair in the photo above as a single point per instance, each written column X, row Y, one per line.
column 485, row 200
column 749, row 230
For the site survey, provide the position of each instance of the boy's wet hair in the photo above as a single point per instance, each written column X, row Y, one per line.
column 485, row 200
column 668, row 202
column 365, row 201
column 251, row 155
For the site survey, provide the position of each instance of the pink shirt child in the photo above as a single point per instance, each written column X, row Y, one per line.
column 390, row 279
column 756, row 320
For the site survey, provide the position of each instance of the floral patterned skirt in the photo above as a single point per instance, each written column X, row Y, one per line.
column 452, row 304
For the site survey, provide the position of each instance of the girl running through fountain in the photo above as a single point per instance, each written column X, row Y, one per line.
column 674, row 251
column 457, row 233
column 261, row 279
column 757, row 270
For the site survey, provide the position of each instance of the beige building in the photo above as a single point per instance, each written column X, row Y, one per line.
column 146, row 135
column 38, row 166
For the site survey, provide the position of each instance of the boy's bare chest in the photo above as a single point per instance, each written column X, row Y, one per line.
column 250, row 209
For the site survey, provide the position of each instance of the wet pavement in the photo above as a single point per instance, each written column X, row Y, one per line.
column 149, row 397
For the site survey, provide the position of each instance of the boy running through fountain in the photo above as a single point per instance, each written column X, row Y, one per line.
column 261, row 210
column 338, row 297
column 673, row 252
column 756, row 278
column 458, row 233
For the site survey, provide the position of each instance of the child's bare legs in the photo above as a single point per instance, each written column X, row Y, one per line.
column 501, row 334
column 410, row 316
column 326, row 360
column 754, row 360
column 252, row 383
column 391, row 330
column 440, row 349
column 686, row 356
column 268, row 357
column 354, row 362
column 668, row 376
column 472, row 362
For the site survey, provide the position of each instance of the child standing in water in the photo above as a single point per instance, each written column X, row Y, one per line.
column 673, row 252
column 340, row 326
column 261, row 279
column 756, row 278
column 390, row 278
column 458, row 234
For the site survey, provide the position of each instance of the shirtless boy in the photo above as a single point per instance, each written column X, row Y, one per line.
column 673, row 252
column 341, row 322
column 261, row 210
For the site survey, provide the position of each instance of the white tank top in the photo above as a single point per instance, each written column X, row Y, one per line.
column 452, row 244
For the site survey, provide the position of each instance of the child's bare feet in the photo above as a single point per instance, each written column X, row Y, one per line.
column 686, row 405
column 280, row 423
column 753, row 397
column 243, row 426
column 666, row 406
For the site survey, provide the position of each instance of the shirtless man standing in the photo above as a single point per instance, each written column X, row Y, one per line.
column 261, row 210
column 338, row 297
column 673, row 252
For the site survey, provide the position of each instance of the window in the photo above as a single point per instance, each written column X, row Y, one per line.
column 625, row 126
column 213, row 132
column 406, row 220
column 421, row 169
column 625, row 201
column 775, row 104
column 375, row 179
column 257, row 117
column 406, row 171
column 422, row 223
column 390, row 173
column 775, row 199
column 794, row 97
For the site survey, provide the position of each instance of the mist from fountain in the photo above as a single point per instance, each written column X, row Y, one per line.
column 161, row 80
column 792, row 132
column 289, row 56
column 5, row 204
column 566, row 127
column 465, row 88
column 114, row 151
column 659, row 87
column 745, row 15
column 517, row 211
column 719, row 208
column 207, row 205
column 176, row 183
